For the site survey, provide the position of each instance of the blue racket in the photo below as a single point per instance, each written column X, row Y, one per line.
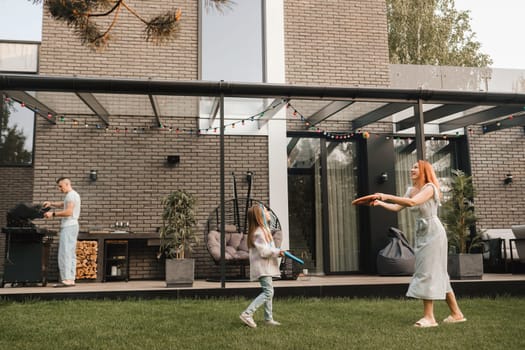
column 294, row 258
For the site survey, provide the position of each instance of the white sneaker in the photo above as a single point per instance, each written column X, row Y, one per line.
column 272, row 323
column 248, row 320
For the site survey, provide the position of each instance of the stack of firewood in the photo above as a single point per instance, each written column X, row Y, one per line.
column 87, row 259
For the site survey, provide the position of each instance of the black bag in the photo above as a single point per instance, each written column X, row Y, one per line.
column 397, row 257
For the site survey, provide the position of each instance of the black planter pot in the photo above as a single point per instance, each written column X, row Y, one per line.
column 465, row 266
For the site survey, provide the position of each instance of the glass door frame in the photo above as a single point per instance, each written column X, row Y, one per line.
column 325, row 238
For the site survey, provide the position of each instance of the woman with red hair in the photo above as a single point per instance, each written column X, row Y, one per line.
column 430, row 280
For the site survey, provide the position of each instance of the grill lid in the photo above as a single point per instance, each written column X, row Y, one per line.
column 22, row 214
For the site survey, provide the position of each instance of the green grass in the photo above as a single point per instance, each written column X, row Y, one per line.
column 214, row 324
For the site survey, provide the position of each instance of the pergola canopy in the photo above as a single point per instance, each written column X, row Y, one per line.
column 358, row 106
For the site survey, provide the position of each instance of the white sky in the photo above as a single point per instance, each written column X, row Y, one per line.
column 20, row 20
column 498, row 26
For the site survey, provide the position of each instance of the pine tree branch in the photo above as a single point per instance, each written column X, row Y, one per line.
column 133, row 12
column 117, row 5
column 106, row 33
column 81, row 14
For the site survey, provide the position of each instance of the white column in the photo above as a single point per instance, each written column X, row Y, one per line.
column 275, row 73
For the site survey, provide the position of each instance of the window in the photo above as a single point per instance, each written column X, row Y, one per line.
column 231, row 49
column 18, row 57
column 440, row 153
column 20, row 34
column 17, row 125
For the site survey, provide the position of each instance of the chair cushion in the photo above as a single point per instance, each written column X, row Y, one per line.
column 214, row 244
column 519, row 232
column 243, row 246
column 502, row 233
column 230, row 252
column 235, row 240
column 277, row 237
column 235, row 249
column 230, row 228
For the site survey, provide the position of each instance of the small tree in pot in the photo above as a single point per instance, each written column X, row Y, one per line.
column 178, row 237
column 460, row 220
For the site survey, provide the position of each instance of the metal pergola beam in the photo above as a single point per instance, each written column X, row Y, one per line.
column 257, row 90
column 272, row 110
column 379, row 113
column 91, row 101
column 327, row 111
column 291, row 145
column 156, row 109
column 479, row 117
column 504, row 124
column 33, row 104
column 214, row 110
column 420, row 130
column 433, row 114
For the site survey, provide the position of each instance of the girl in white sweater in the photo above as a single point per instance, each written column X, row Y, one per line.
column 264, row 264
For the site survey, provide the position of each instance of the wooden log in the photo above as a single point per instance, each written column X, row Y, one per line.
column 87, row 259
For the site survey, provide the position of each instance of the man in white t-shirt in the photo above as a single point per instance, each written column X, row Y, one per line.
column 69, row 213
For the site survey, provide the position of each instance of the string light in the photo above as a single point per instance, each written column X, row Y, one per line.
column 295, row 114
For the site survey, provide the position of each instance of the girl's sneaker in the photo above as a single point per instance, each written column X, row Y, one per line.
column 272, row 323
column 248, row 320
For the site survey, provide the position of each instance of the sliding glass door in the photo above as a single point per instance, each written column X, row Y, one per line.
column 440, row 153
column 322, row 181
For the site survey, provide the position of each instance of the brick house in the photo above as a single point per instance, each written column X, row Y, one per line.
column 344, row 48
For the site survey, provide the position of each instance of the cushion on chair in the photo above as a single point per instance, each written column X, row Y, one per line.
column 243, row 246
column 214, row 244
column 230, row 228
column 519, row 233
column 235, row 240
column 505, row 234
column 230, row 252
column 234, row 249
column 242, row 255
column 277, row 237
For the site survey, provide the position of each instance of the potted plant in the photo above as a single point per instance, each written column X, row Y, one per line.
column 460, row 220
column 178, row 238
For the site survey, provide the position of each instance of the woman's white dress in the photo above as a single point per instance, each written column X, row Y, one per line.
column 430, row 280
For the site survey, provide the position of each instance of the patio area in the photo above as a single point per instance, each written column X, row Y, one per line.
column 360, row 286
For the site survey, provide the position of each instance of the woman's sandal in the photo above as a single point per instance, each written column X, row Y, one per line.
column 451, row 319
column 425, row 323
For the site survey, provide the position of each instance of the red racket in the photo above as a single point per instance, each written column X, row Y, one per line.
column 365, row 200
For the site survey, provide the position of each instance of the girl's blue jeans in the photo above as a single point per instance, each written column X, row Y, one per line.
column 265, row 298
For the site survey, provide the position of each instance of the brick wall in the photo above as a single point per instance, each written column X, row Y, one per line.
column 492, row 156
column 133, row 175
column 347, row 46
column 128, row 55
column 336, row 42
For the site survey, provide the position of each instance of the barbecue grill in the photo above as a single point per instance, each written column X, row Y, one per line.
column 27, row 246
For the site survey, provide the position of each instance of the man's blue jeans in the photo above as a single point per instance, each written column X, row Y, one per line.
column 67, row 252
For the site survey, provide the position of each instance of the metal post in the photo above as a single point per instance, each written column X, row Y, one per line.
column 420, row 130
column 223, row 215
column 1, row 107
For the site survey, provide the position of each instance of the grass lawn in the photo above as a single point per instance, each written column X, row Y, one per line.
column 214, row 324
